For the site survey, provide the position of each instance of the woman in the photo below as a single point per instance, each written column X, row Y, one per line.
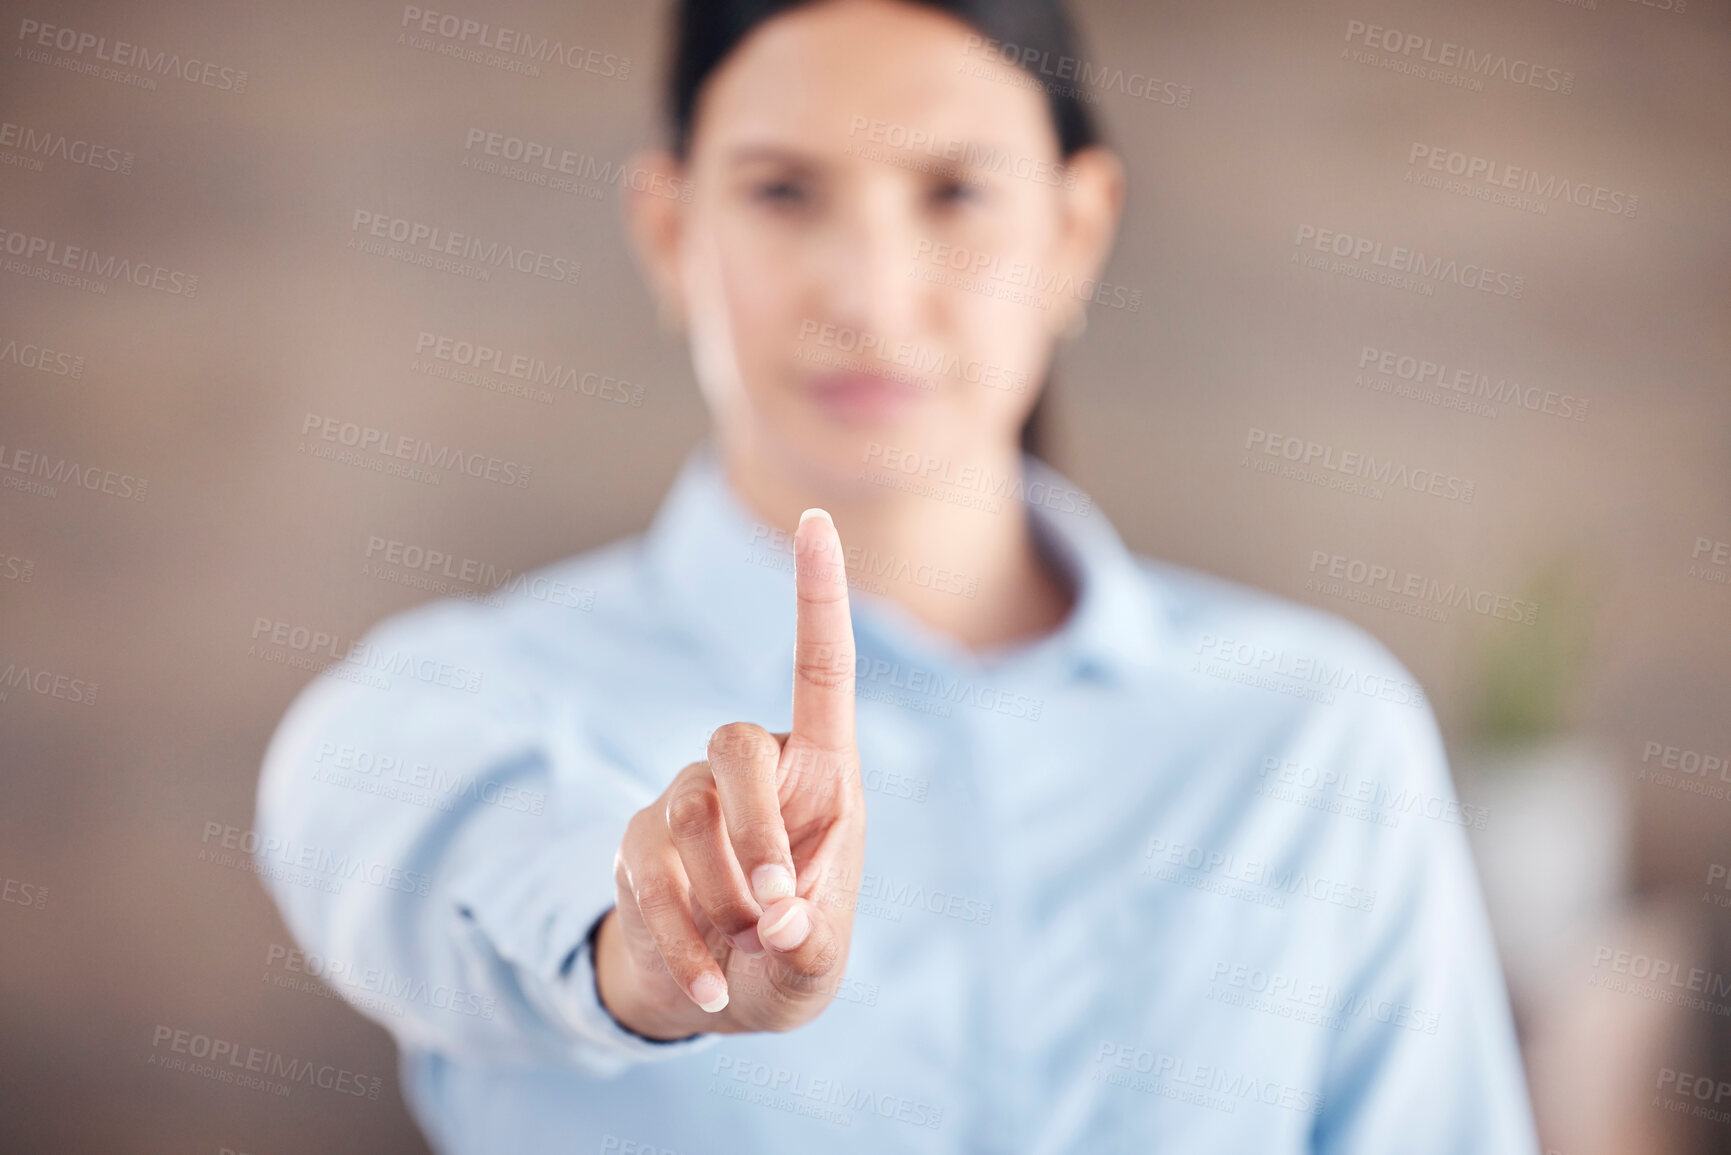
column 1145, row 869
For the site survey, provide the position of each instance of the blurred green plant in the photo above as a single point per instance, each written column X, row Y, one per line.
column 1530, row 676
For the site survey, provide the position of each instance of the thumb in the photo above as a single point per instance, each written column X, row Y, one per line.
column 804, row 946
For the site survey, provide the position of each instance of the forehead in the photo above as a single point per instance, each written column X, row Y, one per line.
column 833, row 75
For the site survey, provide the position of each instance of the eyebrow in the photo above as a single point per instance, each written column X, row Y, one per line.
column 753, row 153
column 967, row 156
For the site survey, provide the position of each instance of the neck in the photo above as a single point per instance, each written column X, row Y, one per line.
column 971, row 572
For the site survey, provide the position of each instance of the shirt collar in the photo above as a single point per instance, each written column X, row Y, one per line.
column 727, row 577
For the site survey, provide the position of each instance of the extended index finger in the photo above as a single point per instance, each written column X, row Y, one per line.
column 823, row 654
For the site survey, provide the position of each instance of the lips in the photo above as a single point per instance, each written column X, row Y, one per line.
column 862, row 397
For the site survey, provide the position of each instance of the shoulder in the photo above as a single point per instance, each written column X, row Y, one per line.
column 1230, row 621
column 1299, row 677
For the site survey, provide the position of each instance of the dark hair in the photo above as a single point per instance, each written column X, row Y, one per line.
column 1031, row 32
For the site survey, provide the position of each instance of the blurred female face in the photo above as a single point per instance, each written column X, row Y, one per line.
column 872, row 203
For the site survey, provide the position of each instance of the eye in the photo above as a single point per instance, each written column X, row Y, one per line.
column 954, row 192
column 782, row 192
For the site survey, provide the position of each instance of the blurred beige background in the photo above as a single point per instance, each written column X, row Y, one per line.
column 113, row 926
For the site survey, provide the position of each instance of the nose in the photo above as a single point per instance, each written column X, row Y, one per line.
column 871, row 283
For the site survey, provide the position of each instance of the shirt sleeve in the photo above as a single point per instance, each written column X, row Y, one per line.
column 1429, row 1065
column 439, row 835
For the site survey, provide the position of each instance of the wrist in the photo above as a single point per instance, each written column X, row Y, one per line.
column 623, row 995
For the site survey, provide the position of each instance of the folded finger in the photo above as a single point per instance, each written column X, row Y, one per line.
column 745, row 760
column 698, row 832
column 661, row 896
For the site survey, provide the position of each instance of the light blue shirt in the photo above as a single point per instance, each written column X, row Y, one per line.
column 1187, row 875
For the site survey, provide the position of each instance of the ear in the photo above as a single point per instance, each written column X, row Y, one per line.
column 657, row 193
column 1092, row 202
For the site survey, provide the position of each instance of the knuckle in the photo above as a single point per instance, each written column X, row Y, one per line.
column 684, row 957
column 818, row 958
column 828, row 667
column 740, row 744
column 644, row 831
column 659, row 899
column 757, row 835
column 693, row 813
column 731, row 916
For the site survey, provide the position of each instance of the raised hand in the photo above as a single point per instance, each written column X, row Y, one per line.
column 736, row 888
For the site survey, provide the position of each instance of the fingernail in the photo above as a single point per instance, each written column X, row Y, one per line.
column 770, row 882
column 814, row 511
column 788, row 931
column 709, row 992
column 747, row 942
